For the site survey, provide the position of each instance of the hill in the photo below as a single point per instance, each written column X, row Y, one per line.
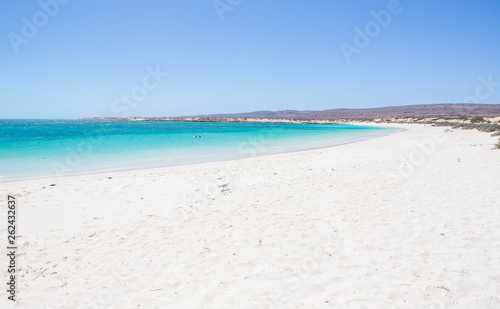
column 425, row 110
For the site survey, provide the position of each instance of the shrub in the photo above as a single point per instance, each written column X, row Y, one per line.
column 488, row 127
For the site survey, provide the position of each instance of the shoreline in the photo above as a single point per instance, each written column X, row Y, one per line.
column 353, row 121
column 395, row 221
column 163, row 163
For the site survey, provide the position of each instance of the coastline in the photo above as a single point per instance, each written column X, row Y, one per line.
column 396, row 221
column 336, row 120
column 246, row 148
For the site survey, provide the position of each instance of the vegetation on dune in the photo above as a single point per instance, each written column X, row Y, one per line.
column 483, row 127
column 477, row 120
column 476, row 123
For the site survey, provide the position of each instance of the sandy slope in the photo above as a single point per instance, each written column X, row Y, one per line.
column 394, row 222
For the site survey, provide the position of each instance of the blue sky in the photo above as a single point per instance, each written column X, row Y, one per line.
column 73, row 59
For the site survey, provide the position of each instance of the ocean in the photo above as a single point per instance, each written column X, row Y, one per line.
column 47, row 148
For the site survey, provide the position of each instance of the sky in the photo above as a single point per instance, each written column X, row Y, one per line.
column 159, row 58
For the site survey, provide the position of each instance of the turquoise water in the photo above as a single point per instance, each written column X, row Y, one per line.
column 41, row 148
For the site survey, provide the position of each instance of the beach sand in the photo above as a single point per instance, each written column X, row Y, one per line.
column 408, row 220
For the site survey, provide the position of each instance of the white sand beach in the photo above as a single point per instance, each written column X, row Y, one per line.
column 408, row 220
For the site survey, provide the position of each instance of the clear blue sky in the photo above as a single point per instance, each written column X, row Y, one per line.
column 263, row 55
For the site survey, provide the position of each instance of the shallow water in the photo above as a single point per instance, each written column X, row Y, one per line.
column 41, row 148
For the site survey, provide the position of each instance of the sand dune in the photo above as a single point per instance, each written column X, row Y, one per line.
column 409, row 220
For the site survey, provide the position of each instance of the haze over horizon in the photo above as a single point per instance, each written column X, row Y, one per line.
column 70, row 59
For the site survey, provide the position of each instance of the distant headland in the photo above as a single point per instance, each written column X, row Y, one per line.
column 409, row 111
